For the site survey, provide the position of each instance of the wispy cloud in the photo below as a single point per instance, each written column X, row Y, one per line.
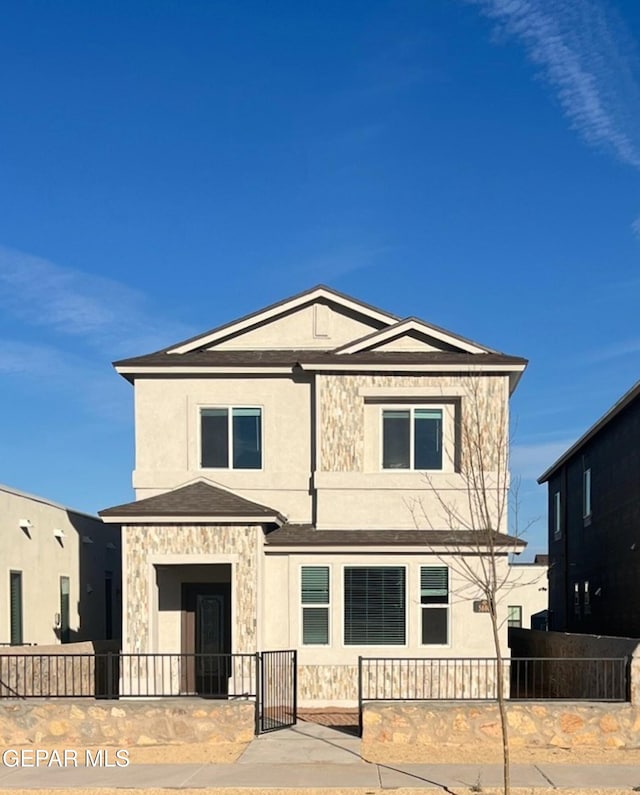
column 74, row 324
column 615, row 351
column 529, row 461
column 340, row 262
column 101, row 312
column 587, row 57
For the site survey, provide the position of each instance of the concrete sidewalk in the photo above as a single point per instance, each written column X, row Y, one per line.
column 309, row 755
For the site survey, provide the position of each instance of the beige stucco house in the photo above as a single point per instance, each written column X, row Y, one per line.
column 61, row 573
column 299, row 484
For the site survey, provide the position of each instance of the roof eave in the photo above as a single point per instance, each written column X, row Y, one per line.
column 604, row 420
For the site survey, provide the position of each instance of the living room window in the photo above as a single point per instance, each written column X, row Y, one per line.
column 315, row 591
column 374, row 606
column 434, row 601
column 231, row 438
column 412, row 438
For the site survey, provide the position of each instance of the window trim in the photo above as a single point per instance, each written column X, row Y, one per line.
column 411, row 407
column 443, row 605
column 557, row 515
column 327, row 606
column 586, row 598
column 406, row 643
column 230, row 407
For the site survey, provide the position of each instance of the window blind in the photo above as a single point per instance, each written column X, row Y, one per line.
column 374, row 606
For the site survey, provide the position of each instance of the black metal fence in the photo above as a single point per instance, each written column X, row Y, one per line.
column 475, row 679
column 268, row 678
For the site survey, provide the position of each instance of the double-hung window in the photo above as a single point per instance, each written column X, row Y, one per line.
column 412, row 438
column 374, row 606
column 514, row 616
column 434, row 601
column 315, row 605
column 231, row 438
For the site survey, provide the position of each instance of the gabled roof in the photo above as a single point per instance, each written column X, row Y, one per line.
column 305, row 535
column 199, row 501
column 380, row 351
column 321, row 291
column 606, row 418
column 413, row 324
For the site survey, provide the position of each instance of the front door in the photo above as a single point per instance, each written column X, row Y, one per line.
column 206, row 638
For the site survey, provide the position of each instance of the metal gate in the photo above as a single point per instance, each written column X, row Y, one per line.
column 277, row 695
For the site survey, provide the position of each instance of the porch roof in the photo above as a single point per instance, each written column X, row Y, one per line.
column 199, row 500
column 305, row 535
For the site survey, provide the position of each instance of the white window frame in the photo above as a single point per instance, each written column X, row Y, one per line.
column 440, row 606
column 586, row 493
column 319, row 606
column 509, row 619
column 406, row 605
column 229, row 407
column 411, row 408
column 576, row 599
column 557, row 514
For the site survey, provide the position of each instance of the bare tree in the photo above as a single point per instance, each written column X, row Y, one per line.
column 477, row 503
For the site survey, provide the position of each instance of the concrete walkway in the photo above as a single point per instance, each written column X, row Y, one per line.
column 309, row 755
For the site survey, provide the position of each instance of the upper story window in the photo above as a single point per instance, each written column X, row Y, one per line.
column 412, row 438
column 586, row 493
column 231, row 438
column 557, row 515
column 514, row 616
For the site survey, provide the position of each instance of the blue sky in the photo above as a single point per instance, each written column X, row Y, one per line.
column 166, row 167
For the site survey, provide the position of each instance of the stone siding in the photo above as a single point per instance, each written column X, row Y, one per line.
column 342, row 412
column 329, row 683
column 562, row 725
column 124, row 724
column 144, row 542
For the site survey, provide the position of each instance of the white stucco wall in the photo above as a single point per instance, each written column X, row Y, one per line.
column 528, row 587
column 43, row 559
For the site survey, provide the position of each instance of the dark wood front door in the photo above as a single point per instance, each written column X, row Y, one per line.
column 206, row 637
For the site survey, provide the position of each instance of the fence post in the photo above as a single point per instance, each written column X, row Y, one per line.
column 258, row 660
column 109, row 674
column 295, row 686
column 359, row 696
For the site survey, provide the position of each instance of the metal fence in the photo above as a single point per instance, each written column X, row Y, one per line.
column 475, row 679
column 112, row 675
column 267, row 678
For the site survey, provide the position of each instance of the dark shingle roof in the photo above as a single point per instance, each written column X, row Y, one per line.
column 195, row 499
column 304, row 535
column 289, row 358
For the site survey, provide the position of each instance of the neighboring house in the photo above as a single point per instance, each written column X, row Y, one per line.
column 62, row 573
column 528, row 594
column 277, row 458
column 594, row 527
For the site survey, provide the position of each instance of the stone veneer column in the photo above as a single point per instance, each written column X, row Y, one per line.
column 150, row 541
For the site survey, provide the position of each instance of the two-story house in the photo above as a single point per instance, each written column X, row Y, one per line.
column 594, row 526
column 279, row 462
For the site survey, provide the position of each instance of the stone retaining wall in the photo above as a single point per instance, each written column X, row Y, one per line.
column 560, row 724
column 124, row 724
